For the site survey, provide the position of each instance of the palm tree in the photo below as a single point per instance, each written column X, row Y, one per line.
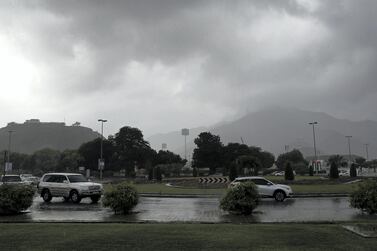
column 338, row 160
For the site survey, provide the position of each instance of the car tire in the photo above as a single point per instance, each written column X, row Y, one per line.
column 95, row 198
column 75, row 197
column 279, row 195
column 46, row 195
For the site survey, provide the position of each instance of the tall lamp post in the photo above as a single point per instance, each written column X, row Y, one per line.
column 315, row 147
column 8, row 165
column 9, row 144
column 367, row 152
column 185, row 132
column 101, row 163
column 349, row 148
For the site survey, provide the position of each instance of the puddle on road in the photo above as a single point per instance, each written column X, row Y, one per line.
column 193, row 210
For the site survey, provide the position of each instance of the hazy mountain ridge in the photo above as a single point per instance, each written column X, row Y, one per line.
column 30, row 137
column 274, row 128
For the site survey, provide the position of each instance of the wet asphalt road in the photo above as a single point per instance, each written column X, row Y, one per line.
column 193, row 210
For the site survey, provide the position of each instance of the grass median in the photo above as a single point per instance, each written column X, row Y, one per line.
column 65, row 236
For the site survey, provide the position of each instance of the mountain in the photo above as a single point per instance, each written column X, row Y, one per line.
column 275, row 128
column 34, row 135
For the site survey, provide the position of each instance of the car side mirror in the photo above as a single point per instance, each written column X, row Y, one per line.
column 65, row 181
column 269, row 184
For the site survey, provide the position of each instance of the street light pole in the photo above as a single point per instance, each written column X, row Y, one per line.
column 101, row 154
column 349, row 148
column 366, row 149
column 315, row 147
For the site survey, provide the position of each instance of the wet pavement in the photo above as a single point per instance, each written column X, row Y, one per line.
column 151, row 209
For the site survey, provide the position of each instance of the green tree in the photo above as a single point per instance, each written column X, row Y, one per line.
column 360, row 161
column 232, row 151
column 233, row 171
column 90, row 152
column 294, row 156
column 69, row 161
column 167, row 157
column 194, row 172
column 288, row 173
column 158, row 174
column 311, row 171
column 250, row 164
column 334, row 172
column 265, row 158
column 19, row 162
column 337, row 159
column 353, row 170
column 132, row 149
column 208, row 152
column 46, row 160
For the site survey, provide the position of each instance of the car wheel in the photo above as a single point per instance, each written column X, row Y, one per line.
column 46, row 195
column 75, row 197
column 95, row 198
column 279, row 195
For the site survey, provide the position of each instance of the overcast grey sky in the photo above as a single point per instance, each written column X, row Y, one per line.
column 163, row 65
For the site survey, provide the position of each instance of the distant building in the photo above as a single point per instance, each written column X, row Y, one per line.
column 12, row 124
column 32, row 121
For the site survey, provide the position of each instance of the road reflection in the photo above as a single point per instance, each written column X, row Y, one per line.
column 153, row 209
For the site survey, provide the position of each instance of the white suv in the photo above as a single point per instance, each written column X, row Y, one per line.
column 266, row 188
column 70, row 186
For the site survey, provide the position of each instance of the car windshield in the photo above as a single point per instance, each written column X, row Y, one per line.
column 77, row 178
column 11, row 179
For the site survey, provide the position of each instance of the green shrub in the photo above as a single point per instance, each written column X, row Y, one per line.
column 195, row 172
column 311, row 171
column 334, row 172
column 15, row 198
column 121, row 198
column 158, row 173
column 289, row 175
column 365, row 197
column 242, row 199
column 353, row 171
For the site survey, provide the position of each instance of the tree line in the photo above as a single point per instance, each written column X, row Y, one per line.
column 232, row 159
column 126, row 150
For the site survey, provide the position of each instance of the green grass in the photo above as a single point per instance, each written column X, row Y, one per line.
column 316, row 186
column 163, row 189
column 65, row 236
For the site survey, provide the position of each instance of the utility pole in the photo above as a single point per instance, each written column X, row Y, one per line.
column 366, row 149
column 315, row 147
column 101, row 163
column 349, row 148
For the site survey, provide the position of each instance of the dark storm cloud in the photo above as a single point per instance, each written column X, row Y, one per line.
column 215, row 58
